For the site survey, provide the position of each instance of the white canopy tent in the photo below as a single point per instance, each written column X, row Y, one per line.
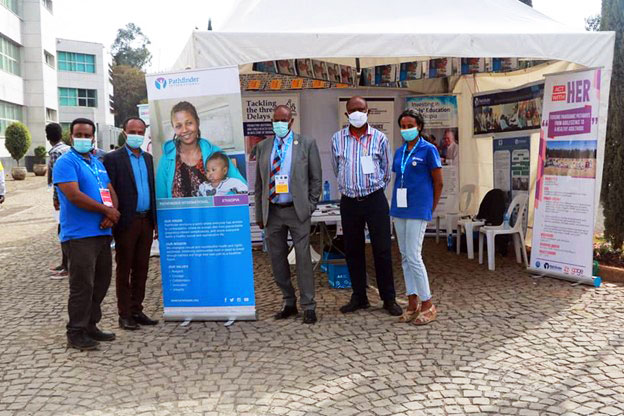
column 397, row 31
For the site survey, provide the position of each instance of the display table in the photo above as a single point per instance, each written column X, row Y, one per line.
column 324, row 215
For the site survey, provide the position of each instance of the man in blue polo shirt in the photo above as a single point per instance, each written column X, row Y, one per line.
column 88, row 211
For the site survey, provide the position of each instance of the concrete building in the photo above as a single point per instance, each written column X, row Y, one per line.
column 28, row 91
column 85, row 87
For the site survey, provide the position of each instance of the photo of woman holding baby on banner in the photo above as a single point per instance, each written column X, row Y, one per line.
column 192, row 166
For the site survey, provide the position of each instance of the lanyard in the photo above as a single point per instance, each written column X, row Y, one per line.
column 93, row 169
column 284, row 151
column 362, row 143
column 405, row 161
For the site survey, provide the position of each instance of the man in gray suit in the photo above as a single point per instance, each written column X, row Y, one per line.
column 287, row 188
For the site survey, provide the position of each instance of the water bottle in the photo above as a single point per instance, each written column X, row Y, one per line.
column 326, row 191
column 506, row 221
column 450, row 242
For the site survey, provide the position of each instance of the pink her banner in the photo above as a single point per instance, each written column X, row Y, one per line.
column 563, row 226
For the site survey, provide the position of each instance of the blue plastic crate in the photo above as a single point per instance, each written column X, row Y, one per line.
column 338, row 276
column 329, row 256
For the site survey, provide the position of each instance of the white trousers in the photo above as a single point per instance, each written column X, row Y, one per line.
column 410, row 235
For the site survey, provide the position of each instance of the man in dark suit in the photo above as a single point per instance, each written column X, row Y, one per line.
column 287, row 188
column 131, row 171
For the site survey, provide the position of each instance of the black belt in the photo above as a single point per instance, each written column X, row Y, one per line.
column 143, row 214
column 286, row 205
column 363, row 198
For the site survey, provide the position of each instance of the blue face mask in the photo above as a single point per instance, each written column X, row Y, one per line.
column 280, row 128
column 409, row 134
column 134, row 141
column 82, row 145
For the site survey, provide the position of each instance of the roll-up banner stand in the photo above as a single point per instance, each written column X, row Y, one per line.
column 563, row 227
column 201, row 191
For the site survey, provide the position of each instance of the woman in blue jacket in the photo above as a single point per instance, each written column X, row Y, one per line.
column 182, row 166
column 417, row 189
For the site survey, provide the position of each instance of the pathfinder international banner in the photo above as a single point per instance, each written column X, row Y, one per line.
column 201, row 191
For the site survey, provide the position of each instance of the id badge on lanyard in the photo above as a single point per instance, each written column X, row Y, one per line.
column 105, row 194
column 107, row 199
column 401, row 196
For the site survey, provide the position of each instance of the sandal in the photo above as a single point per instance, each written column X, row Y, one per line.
column 408, row 315
column 426, row 316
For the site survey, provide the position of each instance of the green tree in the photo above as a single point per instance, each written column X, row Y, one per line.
column 130, row 90
column 17, row 140
column 130, row 47
column 612, row 18
column 527, row 2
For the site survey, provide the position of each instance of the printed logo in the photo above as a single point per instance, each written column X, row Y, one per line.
column 160, row 83
column 546, row 266
column 538, row 264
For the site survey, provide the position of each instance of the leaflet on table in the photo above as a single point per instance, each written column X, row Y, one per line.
column 203, row 209
column 564, row 198
column 441, row 127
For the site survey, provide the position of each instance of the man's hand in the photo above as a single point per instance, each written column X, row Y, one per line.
column 106, row 223
column 1, row 199
column 260, row 224
column 112, row 214
column 57, row 205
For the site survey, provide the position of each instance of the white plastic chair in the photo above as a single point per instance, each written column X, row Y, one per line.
column 465, row 198
column 491, row 231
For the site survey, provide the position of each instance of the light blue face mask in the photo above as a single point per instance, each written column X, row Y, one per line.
column 134, row 140
column 280, row 128
column 409, row 134
column 82, row 145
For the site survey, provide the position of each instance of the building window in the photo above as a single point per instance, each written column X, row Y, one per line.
column 10, row 4
column 77, row 97
column 9, row 113
column 50, row 114
column 49, row 58
column 48, row 5
column 76, row 62
column 9, row 56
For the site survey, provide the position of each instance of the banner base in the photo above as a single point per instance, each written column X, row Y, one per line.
column 223, row 313
column 594, row 281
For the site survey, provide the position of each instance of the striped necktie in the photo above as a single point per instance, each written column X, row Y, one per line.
column 275, row 168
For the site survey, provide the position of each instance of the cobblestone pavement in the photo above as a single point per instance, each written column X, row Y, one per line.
column 504, row 343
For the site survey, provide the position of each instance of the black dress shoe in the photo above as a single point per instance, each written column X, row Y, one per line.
column 392, row 307
column 309, row 317
column 354, row 305
column 81, row 341
column 141, row 318
column 286, row 312
column 99, row 335
column 128, row 323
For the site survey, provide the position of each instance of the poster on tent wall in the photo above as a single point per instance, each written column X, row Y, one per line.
column 258, row 126
column 202, row 201
column 512, row 160
column 441, row 126
column 508, row 111
column 563, row 227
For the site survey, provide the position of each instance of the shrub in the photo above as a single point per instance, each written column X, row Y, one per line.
column 40, row 154
column 17, row 140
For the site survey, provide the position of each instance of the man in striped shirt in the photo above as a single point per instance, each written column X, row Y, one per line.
column 362, row 166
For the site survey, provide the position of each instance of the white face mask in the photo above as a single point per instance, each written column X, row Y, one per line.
column 358, row 119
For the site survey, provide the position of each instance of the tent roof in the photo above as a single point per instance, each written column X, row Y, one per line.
column 391, row 31
column 388, row 16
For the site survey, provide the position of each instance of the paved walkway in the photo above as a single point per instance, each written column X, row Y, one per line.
column 505, row 343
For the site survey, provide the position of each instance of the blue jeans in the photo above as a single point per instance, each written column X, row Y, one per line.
column 410, row 235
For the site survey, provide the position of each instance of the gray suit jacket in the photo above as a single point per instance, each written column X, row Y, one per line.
column 305, row 177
